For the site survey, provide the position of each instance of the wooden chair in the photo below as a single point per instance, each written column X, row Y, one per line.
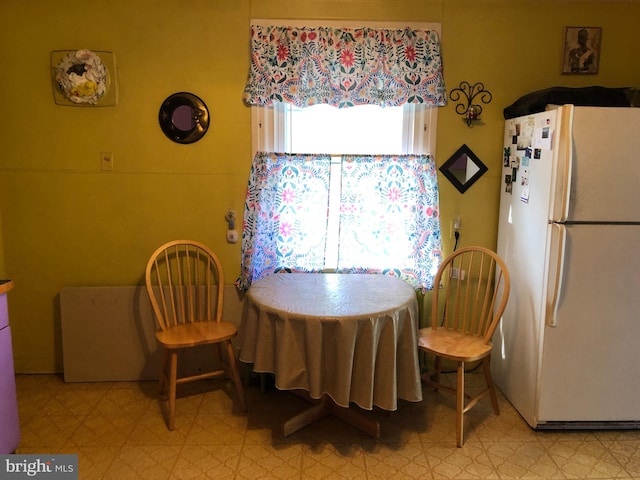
column 185, row 284
column 472, row 289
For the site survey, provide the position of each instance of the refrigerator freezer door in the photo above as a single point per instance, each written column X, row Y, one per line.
column 563, row 165
column 590, row 358
column 523, row 244
column 604, row 185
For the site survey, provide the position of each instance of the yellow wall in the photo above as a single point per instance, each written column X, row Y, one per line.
column 64, row 222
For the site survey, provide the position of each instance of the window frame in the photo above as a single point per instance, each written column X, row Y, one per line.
column 269, row 129
column 269, row 124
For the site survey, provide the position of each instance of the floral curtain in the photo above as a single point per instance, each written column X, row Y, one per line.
column 388, row 211
column 343, row 67
column 389, row 217
column 285, row 215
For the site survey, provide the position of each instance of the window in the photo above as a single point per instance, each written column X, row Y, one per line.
column 363, row 175
column 361, row 129
column 365, row 129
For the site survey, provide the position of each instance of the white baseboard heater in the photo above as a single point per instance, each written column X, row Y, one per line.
column 108, row 334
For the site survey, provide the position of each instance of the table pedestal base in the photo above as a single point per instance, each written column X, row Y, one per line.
column 324, row 407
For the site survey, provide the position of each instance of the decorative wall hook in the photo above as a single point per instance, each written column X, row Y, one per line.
column 471, row 111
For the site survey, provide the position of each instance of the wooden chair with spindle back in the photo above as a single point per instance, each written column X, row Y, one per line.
column 185, row 283
column 470, row 294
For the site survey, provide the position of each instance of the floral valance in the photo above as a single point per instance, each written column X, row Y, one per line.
column 344, row 66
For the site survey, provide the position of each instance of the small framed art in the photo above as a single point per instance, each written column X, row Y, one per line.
column 84, row 78
column 581, row 50
column 463, row 168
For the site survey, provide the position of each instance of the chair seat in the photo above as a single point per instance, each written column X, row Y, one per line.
column 453, row 345
column 196, row 333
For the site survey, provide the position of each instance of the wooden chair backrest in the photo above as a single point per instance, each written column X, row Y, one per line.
column 471, row 291
column 185, row 283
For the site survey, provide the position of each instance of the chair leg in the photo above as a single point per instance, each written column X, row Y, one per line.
column 173, row 373
column 460, row 406
column 235, row 374
column 486, row 366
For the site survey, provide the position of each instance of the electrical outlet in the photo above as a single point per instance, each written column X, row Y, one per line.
column 106, row 161
column 232, row 236
column 457, row 273
column 454, row 226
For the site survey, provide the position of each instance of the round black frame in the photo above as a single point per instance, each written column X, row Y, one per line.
column 200, row 117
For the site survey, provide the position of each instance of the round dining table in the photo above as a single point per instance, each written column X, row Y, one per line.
column 341, row 339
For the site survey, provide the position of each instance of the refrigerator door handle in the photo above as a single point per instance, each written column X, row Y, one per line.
column 556, row 266
column 563, row 146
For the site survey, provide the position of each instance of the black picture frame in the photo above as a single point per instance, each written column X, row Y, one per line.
column 184, row 117
column 581, row 51
column 463, row 168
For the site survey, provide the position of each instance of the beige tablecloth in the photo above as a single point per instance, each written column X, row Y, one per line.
column 352, row 337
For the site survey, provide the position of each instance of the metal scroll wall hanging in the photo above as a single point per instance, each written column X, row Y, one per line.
column 467, row 94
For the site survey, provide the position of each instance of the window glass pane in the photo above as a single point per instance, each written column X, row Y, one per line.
column 355, row 130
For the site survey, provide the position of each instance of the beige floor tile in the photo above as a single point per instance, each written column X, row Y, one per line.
column 522, row 459
column 385, row 462
column 337, row 462
column 208, row 429
column 119, row 432
column 151, row 429
column 207, row 462
column 48, row 432
column 627, row 453
column 398, row 427
column 606, row 436
column 264, row 462
column 144, row 463
column 507, row 426
column 584, row 459
column 566, row 435
column 76, row 399
column 446, row 461
column 122, row 401
column 93, row 462
column 218, row 400
column 436, row 420
column 267, row 412
column 31, row 401
column 111, row 430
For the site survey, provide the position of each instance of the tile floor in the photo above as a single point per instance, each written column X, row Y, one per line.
column 118, row 431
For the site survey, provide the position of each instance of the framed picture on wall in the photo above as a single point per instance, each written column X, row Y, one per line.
column 581, row 50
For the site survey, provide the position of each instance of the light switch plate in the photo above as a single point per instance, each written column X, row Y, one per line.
column 106, row 161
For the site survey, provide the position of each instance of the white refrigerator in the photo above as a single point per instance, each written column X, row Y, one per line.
column 567, row 352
